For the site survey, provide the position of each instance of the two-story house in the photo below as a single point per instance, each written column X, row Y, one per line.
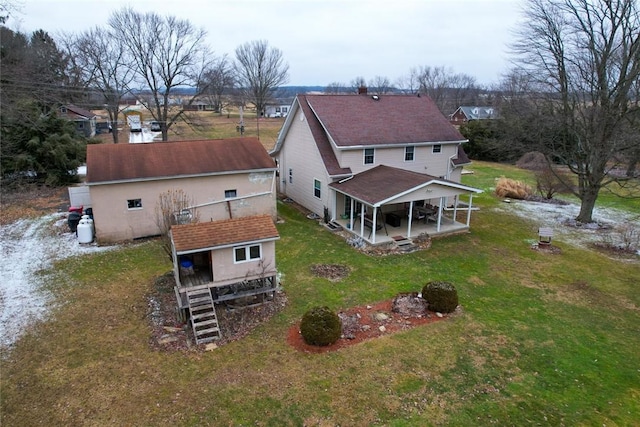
column 389, row 163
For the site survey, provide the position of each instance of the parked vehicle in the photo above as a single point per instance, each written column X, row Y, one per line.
column 135, row 124
column 155, row 127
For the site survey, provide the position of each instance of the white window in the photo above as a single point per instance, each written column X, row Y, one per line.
column 134, row 204
column 246, row 253
column 437, row 148
column 228, row 194
column 408, row 153
column 317, row 188
column 369, row 155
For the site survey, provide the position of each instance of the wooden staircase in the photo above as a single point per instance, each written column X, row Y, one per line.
column 203, row 317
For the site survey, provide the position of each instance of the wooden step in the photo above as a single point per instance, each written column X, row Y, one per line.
column 207, row 322
column 197, row 316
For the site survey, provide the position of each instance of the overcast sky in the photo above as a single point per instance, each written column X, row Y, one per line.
column 324, row 41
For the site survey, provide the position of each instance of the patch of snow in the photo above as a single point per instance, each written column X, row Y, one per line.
column 561, row 218
column 30, row 246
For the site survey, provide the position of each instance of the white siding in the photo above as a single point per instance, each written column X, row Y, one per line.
column 300, row 153
column 225, row 269
column 425, row 161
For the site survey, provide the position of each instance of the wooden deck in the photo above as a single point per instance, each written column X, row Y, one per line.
column 226, row 291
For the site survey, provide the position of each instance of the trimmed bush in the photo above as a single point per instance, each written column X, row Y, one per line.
column 441, row 296
column 320, row 326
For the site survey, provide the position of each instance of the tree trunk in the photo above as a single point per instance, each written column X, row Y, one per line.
column 588, row 197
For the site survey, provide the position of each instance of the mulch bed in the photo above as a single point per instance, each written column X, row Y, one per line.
column 366, row 322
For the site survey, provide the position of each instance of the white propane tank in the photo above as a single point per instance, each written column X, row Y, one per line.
column 85, row 230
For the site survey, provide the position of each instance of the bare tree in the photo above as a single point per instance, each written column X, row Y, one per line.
column 167, row 53
column 260, row 69
column 218, row 81
column 446, row 88
column 174, row 207
column 104, row 62
column 584, row 56
column 409, row 84
column 357, row 83
column 336, row 88
column 381, row 85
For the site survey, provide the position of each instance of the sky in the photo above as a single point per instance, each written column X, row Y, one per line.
column 323, row 41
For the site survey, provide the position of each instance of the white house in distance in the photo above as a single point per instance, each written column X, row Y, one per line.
column 382, row 166
column 226, row 178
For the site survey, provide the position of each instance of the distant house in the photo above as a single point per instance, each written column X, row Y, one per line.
column 467, row 114
column 278, row 108
column 230, row 178
column 199, row 106
column 85, row 120
column 381, row 166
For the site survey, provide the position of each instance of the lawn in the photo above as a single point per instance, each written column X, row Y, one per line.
column 541, row 339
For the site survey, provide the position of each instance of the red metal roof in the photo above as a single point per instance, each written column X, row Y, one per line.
column 369, row 120
column 206, row 235
column 124, row 162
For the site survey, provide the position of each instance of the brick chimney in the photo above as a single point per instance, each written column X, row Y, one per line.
column 362, row 90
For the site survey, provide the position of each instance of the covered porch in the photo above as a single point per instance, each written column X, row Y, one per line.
column 385, row 204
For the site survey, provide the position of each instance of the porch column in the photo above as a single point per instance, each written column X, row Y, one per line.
column 362, row 220
column 469, row 210
column 373, row 228
column 351, row 215
column 442, row 200
column 409, row 219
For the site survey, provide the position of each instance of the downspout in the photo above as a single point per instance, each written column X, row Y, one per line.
column 469, row 210
column 449, row 164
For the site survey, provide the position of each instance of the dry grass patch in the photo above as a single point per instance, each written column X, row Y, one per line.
column 509, row 188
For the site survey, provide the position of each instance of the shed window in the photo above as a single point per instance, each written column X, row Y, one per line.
column 437, row 148
column 230, row 193
column 369, row 154
column 408, row 153
column 134, row 204
column 246, row 253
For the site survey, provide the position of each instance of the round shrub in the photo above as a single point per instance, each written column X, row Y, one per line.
column 320, row 326
column 441, row 296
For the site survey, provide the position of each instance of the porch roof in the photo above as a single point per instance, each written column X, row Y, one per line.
column 382, row 184
column 218, row 234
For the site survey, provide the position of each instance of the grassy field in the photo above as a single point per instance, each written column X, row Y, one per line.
column 542, row 339
column 210, row 125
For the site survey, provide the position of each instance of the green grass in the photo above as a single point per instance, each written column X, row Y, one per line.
column 542, row 339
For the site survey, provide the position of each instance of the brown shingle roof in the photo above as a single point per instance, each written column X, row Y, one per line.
column 207, row 235
column 123, row 162
column 322, row 141
column 381, row 183
column 73, row 110
column 357, row 120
